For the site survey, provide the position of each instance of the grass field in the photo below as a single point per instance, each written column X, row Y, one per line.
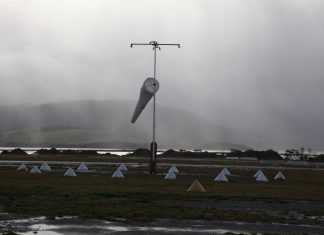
column 141, row 197
column 139, row 159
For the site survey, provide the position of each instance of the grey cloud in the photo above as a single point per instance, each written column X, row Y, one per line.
column 253, row 65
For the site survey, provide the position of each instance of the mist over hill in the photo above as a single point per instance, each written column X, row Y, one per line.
column 106, row 124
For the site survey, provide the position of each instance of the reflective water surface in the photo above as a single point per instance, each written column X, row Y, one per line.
column 74, row 225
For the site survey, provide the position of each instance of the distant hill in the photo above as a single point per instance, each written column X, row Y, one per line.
column 106, row 124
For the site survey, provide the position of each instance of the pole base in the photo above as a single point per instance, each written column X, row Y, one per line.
column 153, row 158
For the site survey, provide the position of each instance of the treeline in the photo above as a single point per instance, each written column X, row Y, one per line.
column 260, row 155
column 270, row 154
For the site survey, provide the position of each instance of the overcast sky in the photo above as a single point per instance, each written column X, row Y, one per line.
column 255, row 65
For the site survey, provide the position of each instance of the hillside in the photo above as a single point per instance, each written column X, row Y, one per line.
column 107, row 124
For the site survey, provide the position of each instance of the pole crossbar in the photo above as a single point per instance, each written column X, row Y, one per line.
column 155, row 45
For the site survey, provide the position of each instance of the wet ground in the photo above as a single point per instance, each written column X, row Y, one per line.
column 291, row 216
column 73, row 225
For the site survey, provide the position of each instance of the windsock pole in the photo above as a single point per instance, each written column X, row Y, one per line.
column 155, row 45
column 154, row 144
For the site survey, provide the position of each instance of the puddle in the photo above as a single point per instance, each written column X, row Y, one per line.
column 42, row 233
column 74, row 225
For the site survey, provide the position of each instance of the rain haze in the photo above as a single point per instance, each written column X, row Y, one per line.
column 255, row 66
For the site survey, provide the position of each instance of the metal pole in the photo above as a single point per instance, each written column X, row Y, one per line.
column 154, row 121
column 154, row 97
column 155, row 45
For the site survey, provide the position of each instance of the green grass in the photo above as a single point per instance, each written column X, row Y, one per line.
column 144, row 197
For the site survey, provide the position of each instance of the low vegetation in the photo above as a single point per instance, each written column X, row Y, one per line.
column 143, row 197
column 261, row 155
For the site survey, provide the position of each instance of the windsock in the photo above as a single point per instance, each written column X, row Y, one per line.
column 150, row 86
